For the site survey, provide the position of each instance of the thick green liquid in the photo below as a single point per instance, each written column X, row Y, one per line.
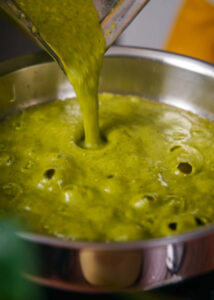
column 154, row 176
column 72, row 29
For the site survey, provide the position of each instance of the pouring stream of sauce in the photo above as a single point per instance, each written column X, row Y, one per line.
column 72, row 30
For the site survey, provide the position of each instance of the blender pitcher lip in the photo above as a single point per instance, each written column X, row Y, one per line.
column 120, row 14
column 113, row 17
column 158, row 261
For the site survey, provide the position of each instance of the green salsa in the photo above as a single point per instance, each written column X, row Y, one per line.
column 154, row 176
column 71, row 28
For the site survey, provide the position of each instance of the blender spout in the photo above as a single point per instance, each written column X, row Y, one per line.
column 114, row 16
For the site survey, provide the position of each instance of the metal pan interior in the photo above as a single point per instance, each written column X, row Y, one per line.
column 166, row 77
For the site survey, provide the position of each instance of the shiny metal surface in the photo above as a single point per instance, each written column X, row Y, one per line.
column 114, row 16
column 100, row 267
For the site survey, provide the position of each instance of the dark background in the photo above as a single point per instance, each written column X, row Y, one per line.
column 12, row 41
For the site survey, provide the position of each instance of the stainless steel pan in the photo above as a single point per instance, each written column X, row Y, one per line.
column 96, row 267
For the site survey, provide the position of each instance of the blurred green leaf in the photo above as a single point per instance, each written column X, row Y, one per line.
column 14, row 257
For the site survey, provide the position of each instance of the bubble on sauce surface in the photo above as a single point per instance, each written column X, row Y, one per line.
column 201, row 221
column 161, row 180
column 140, row 202
column 6, row 159
column 49, row 174
column 114, row 186
column 172, row 226
column 12, row 190
column 76, row 194
column 48, row 182
column 175, row 147
column 60, row 171
column 27, row 208
column 140, row 206
column 28, row 165
column 110, row 176
column 201, row 135
column 122, row 232
column 177, row 224
column 185, row 167
column 180, row 126
column 175, row 204
column 70, row 194
column 187, row 159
